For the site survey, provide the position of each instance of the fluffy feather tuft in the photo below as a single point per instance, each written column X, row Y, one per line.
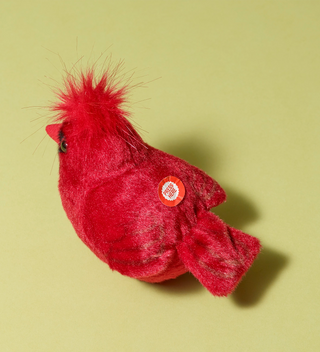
column 94, row 106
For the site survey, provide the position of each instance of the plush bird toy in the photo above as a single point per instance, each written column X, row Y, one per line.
column 142, row 211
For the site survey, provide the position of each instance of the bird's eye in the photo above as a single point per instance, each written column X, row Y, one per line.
column 63, row 146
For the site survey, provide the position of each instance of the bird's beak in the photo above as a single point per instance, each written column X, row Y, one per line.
column 53, row 131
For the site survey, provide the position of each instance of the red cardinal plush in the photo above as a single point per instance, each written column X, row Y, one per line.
column 142, row 211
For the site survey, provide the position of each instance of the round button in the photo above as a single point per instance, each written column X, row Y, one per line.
column 171, row 191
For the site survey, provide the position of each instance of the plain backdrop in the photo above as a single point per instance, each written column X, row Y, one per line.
column 232, row 87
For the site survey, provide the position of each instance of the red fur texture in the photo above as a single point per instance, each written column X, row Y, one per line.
column 109, row 181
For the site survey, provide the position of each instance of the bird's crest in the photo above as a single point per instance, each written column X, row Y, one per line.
column 94, row 106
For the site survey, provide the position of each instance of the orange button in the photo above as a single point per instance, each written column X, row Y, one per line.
column 171, row 191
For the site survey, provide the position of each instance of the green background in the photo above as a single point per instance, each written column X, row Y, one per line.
column 233, row 88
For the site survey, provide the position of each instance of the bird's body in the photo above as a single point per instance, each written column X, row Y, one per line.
column 109, row 180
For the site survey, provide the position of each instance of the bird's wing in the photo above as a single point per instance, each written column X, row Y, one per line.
column 206, row 188
column 126, row 234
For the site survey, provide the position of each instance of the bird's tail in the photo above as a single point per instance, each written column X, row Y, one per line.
column 216, row 254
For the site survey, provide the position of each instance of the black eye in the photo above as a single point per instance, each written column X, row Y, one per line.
column 63, row 146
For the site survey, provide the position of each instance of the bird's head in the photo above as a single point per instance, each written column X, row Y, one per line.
column 92, row 129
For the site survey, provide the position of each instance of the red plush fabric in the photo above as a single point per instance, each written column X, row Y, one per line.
column 218, row 255
column 108, row 184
